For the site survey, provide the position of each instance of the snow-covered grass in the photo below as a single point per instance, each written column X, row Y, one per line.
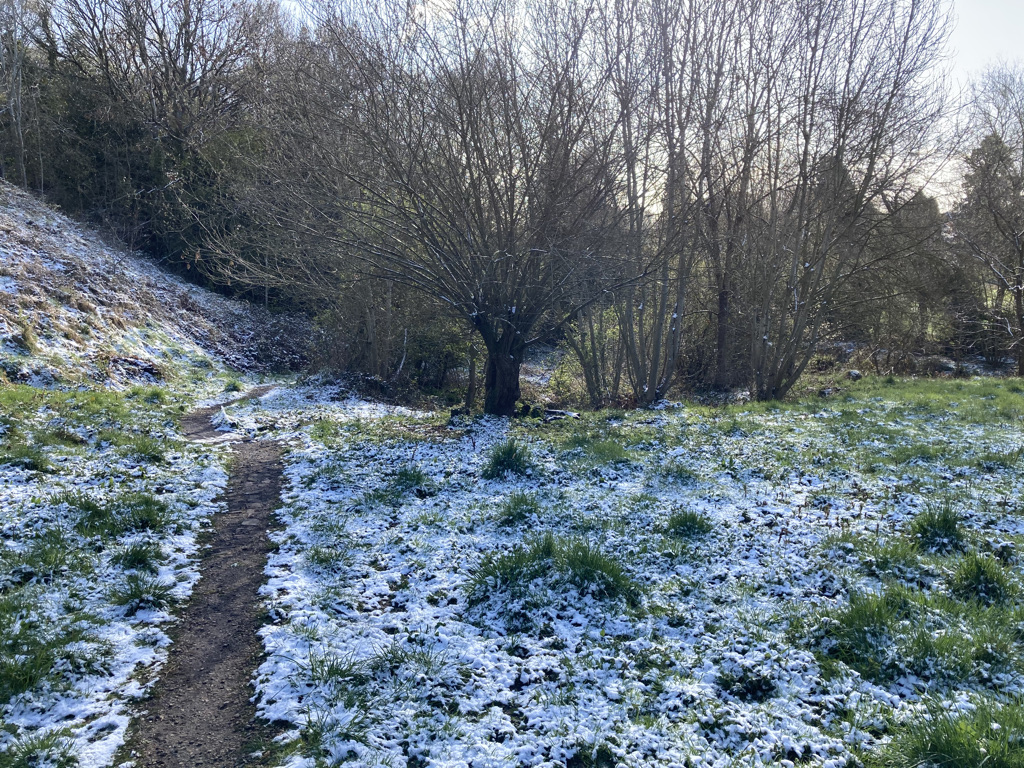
column 830, row 582
column 101, row 506
column 102, row 502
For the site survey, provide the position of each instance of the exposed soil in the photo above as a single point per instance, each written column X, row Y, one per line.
column 200, row 715
column 198, row 425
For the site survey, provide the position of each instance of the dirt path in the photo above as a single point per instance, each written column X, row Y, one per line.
column 198, row 425
column 199, row 715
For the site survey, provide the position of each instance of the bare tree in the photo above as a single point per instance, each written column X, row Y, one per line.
column 13, row 39
column 852, row 118
column 181, row 66
column 484, row 179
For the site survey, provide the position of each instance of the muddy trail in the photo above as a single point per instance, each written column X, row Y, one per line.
column 199, row 715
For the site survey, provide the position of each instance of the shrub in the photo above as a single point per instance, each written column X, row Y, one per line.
column 939, row 530
column 518, row 508
column 508, row 458
column 982, row 578
column 688, row 524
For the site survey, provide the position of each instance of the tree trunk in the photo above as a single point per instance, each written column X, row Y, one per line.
column 501, row 382
column 471, row 390
column 1018, row 305
column 723, row 353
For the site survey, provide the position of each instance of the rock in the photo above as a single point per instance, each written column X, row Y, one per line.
column 854, row 375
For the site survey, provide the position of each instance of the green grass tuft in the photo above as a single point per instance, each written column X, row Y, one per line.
column 26, row 456
column 142, row 591
column 900, row 631
column 29, row 649
column 894, row 557
column 407, row 478
column 507, row 458
column 939, row 530
column 575, row 562
column 325, row 431
column 862, row 633
column 146, row 449
column 52, row 552
column 132, row 513
column 143, row 556
column 136, row 512
column 686, row 523
column 595, row 449
column 79, row 501
column 675, row 472
column 518, row 508
column 151, row 395
column 53, row 749
column 325, row 668
column 993, row 460
column 989, row 736
column 982, row 578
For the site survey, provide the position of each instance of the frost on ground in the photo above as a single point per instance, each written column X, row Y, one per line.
column 745, row 586
column 101, row 500
column 100, row 507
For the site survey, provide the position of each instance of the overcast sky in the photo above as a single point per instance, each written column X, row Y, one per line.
column 985, row 31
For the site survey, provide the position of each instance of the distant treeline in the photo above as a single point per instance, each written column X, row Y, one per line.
column 694, row 193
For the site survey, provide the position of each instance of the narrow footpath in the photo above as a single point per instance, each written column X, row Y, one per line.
column 199, row 715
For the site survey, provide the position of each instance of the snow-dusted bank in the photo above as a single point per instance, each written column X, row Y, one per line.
column 775, row 586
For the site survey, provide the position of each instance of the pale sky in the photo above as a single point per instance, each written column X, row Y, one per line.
column 985, row 32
